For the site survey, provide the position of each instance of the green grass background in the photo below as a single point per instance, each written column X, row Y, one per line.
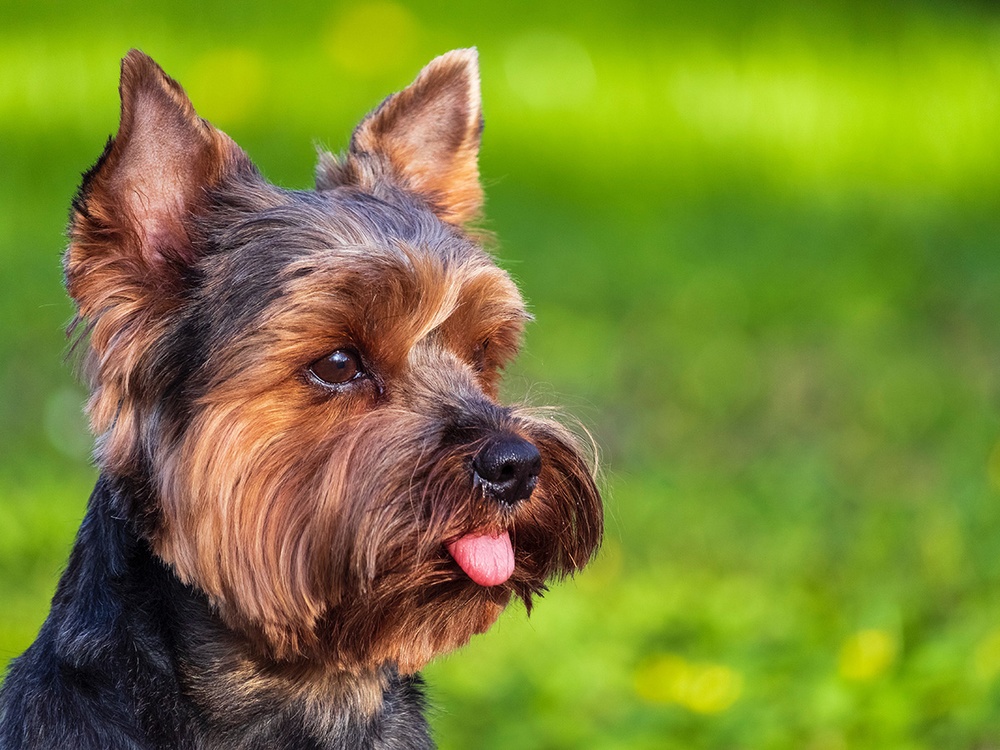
column 760, row 240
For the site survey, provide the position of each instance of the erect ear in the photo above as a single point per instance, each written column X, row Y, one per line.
column 136, row 202
column 425, row 138
column 131, row 245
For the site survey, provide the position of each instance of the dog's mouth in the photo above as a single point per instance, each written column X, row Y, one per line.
column 487, row 559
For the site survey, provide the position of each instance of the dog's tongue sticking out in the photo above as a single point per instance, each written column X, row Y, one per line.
column 487, row 560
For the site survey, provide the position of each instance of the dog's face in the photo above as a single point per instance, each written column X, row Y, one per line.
column 301, row 386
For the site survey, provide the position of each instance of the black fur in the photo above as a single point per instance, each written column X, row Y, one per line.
column 112, row 667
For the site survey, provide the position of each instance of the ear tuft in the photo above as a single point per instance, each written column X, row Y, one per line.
column 426, row 138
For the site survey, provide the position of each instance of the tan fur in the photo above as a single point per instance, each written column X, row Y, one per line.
column 244, row 508
column 427, row 137
column 315, row 518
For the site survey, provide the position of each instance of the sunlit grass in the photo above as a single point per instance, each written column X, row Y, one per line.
column 760, row 246
column 803, row 110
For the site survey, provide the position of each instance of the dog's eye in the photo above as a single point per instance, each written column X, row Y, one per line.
column 342, row 366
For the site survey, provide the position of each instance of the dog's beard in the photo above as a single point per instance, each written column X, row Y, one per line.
column 351, row 565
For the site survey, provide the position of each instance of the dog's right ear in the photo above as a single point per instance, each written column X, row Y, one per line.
column 131, row 248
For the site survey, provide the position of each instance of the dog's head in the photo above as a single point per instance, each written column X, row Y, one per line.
column 301, row 386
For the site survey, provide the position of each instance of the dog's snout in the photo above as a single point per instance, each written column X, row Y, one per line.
column 507, row 468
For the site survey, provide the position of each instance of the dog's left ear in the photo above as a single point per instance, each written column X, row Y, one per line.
column 425, row 138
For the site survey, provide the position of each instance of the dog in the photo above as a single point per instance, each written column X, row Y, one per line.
column 308, row 487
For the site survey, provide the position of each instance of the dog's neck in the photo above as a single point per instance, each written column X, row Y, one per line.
column 132, row 606
column 238, row 690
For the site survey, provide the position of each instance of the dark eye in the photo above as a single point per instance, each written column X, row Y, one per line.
column 338, row 368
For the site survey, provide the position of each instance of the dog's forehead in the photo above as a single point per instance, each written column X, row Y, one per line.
column 274, row 241
column 279, row 228
column 359, row 220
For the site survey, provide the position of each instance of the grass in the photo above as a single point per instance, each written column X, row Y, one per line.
column 759, row 241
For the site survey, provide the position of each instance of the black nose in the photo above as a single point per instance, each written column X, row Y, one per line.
column 507, row 468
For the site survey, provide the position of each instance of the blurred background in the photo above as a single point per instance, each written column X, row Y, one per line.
column 760, row 240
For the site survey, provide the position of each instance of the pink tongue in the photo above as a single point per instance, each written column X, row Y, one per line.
column 487, row 560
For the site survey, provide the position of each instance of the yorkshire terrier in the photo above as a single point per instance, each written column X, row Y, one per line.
column 308, row 487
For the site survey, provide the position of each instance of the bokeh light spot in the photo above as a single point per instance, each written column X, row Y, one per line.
column 993, row 466
column 986, row 658
column 65, row 423
column 227, row 85
column 867, row 654
column 700, row 688
column 372, row 38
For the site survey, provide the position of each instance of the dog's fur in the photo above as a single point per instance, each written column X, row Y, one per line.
column 293, row 393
